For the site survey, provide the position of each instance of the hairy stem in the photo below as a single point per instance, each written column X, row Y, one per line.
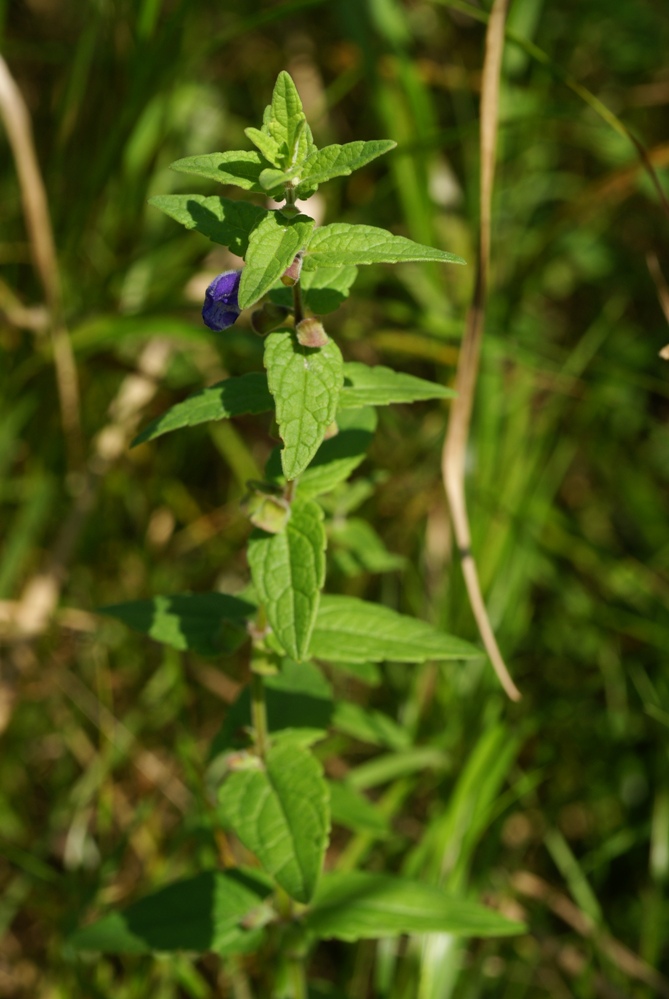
column 298, row 978
column 298, row 304
column 259, row 714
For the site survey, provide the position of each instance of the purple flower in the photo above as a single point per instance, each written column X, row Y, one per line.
column 220, row 309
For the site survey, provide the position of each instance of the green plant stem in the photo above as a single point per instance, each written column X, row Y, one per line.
column 298, row 304
column 259, row 714
column 298, row 978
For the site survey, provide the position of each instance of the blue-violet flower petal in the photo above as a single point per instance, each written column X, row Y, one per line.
column 221, row 309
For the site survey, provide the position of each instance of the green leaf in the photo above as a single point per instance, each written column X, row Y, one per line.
column 336, row 458
column 285, row 138
column 361, row 906
column 232, row 397
column 227, row 222
column 340, row 243
column 282, row 815
column 323, row 289
column 266, row 144
column 369, row 726
column 272, row 247
column 239, row 167
column 211, row 624
column 340, row 161
column 352, row 810
column 298, row 697
column 352, row 630
column 376, row 385
column 288, row 571
column 198, row 914
column 305, row 383
column 275, row 180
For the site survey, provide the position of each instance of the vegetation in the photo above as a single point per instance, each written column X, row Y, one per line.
column 555, row 809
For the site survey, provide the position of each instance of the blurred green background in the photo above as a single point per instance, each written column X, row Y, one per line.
column 556, row 808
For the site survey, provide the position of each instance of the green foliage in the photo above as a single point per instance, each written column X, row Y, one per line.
column 281, row 813
column 229, row 223
column 360, row 906
column 306, row 383
column 209, row 912
column 340, row 244
column 273, row 244
column 351, row 630
column 566, row 482
column 288, row 571
column 209, row 623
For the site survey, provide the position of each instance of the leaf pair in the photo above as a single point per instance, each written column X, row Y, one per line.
column 286, row 155
column 220, row 911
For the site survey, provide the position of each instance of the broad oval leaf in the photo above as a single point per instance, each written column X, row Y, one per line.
column 272, row 247
column 340, row 161
column 227, row 222
column 233, row 397
column 376, row 385
column 288, row 571
column 239, row 167
column 306, row 384
column 200, row 914
column 351, row 630
column 211, row 624
column 282, row 815
column 341, row 244
column 361, row 906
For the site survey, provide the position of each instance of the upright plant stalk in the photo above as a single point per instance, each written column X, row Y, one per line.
column 274, row 797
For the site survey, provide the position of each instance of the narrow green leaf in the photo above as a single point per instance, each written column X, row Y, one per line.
column 288, row 571
column 211, row 624
column 227, row 222
column 198, row 914
column 232, row 397
column 239, row 167
column 282, row 815
column 376, row 385
column 306, row 384
column 323, row 289
column 352, row 810
column 352, row 630
column 336, row 458
column 361, row 906
column 266, row 144
column 340, row 161
column 287, row 124
column 343, row 244
column 272, row 247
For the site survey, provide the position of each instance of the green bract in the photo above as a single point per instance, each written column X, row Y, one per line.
column 266, row 779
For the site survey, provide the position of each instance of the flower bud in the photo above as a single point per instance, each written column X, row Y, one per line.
column 268, row 512
column 221, row 309
column 292, row 275
column 310, row 333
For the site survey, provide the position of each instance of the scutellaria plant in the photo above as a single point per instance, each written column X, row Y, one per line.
column 272, row 798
